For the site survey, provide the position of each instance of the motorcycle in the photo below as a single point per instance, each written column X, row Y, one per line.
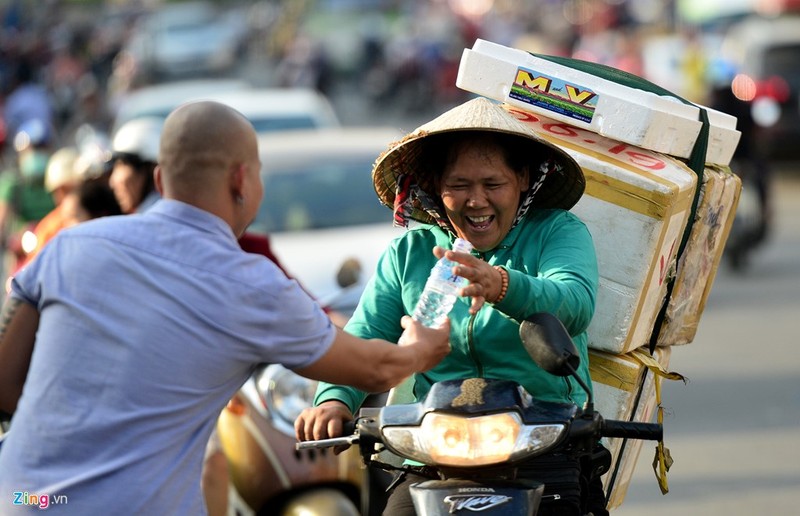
column 474, row 433
column 257, row 436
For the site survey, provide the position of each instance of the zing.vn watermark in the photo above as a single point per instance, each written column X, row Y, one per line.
column 42, row 501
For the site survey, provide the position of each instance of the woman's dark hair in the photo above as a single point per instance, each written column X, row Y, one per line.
column 97, row 198
column 441, row 150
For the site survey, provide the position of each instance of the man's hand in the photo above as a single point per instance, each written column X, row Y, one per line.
column 430, row 345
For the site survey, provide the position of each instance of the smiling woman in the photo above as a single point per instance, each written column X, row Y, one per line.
column 478, row 173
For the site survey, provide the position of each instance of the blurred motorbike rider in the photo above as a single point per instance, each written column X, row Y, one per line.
column 134, row 154
column 24, row 200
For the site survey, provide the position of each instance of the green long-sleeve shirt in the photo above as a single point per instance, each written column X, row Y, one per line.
column 552, row 267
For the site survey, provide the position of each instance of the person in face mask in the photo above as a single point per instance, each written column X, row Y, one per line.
column 24, row 200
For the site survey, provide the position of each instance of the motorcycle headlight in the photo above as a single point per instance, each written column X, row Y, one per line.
column 284, row 395
column 449, row 440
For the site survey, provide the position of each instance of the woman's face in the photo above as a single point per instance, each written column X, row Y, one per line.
column 481, row 195
column 128, row 186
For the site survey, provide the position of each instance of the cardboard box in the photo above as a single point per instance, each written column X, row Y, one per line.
column 625, row 389
column 697, row 266
column 636, row 206
column 659, row 123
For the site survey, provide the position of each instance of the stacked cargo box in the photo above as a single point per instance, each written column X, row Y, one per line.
column 659, row 240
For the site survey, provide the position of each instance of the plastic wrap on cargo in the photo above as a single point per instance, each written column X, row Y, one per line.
column 698, row 264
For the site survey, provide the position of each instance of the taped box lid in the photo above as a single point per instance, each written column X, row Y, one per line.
column 659, row 123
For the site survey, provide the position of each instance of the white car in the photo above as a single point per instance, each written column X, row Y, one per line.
column 320, row 207
column 268, row 109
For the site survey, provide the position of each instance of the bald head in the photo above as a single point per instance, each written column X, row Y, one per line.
column 209, row 158
column 199, row 143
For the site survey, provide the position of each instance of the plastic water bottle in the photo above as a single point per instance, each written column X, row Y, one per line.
column 441, row 290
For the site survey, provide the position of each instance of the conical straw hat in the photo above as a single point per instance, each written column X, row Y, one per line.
column 561, row 189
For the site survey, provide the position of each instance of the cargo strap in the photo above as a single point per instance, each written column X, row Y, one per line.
column 662, row 460
column 696, row 161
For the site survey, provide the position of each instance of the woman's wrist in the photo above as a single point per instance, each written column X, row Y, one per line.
column 503, row 284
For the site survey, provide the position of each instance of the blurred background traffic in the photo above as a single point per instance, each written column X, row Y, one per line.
column 82, row 68
column 329, row 83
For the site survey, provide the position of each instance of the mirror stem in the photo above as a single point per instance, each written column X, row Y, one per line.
column 589, row 405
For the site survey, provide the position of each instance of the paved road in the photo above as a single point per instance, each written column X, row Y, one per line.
column 733, row 429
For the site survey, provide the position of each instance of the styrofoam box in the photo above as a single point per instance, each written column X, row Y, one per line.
column 624, row 389
column 698, row 264
column 660, row 123
column 636, row 206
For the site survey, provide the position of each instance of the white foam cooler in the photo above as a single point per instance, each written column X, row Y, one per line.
column 660, row 123
column 625, row 389
column 636, row 205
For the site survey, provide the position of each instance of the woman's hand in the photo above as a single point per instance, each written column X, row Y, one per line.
column 485, row 282
column 323, row 422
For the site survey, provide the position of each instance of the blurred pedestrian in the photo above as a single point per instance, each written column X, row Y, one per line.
column 133, row 333
column 134, row 155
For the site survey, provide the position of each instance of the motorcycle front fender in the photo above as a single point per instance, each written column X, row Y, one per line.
column 439, row 497
column 320, row 502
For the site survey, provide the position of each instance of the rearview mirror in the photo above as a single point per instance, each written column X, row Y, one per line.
column 549, row 344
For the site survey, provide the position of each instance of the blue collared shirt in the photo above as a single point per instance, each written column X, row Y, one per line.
column 149, row 324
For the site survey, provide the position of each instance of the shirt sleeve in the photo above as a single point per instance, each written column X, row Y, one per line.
column 567, row 278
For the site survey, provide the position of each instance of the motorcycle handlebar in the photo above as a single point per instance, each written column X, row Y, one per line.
column 633, row 430
column 348, row 438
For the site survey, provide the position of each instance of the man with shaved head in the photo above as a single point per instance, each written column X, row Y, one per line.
column 134, row 331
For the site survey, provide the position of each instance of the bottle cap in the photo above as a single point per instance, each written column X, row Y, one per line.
column 462, row 246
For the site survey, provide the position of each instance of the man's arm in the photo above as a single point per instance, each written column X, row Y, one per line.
column 18, row 324
column 377, row 365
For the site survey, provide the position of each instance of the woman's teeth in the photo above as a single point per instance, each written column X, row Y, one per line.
column 480, row 222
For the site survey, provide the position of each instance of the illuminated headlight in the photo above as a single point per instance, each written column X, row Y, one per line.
column 448, row 440
column 29, row 242
column 285, row 394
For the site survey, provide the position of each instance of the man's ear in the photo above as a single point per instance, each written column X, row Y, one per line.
column 158, row 180
column 236, row 178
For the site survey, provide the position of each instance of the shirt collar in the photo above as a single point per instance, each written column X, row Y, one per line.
column 192, row 216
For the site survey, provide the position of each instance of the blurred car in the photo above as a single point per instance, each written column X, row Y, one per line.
column 321, row 211
column 268, row 109
column 188, row 38
column 763, row 55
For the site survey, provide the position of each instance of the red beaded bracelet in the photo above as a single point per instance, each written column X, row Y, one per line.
column 504, row 284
